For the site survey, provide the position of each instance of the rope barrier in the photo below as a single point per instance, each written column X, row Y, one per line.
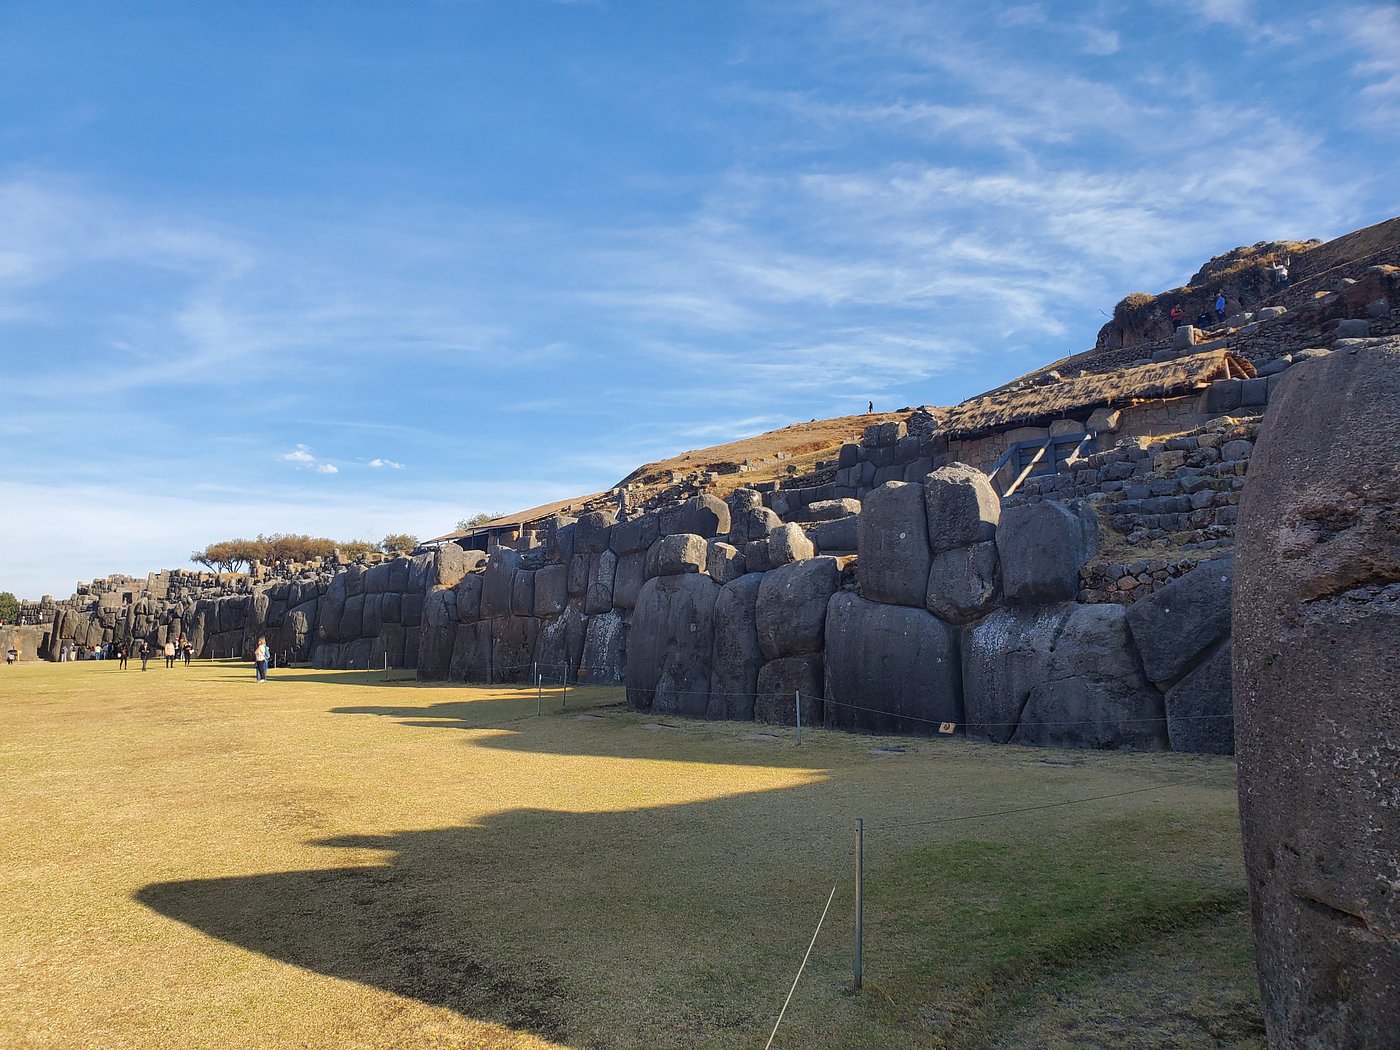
column 800, row 969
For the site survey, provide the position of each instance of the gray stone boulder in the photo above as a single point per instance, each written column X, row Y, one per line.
column 669, row 644
column 438, row 635
column 551, row 590
column 962, row 507
column 513, row 648
column 468, row 592
column 352, row 619
column 756, row 556
column 756, row 523
column 371, row 614
column 628, row 577
column 471, row 652
column 556, row 534
column 889, row 668
column 780, row 682
column 604, row 660
column 830, row 509
column 837, row 534
column 736, row 655
column 893, row 544
column 498, row 582
column 354, row 579
column 1200, row 708
column 638, row 534
column 1174, row 626
column 1316, row 681
column 789, row 544
column 1095, row 694
column 704, row 516
column 522, row 593
column 792, row 602
column 1042, row 547
column 677, row 555
column 559, row 646
column 580, row 565
column 1004, row 657
column 592, row 531
column 964, row 583
column 723, row 562
column 599, row 598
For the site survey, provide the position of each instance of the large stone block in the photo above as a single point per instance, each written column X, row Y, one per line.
column 1004, row 656
column 889, row 668
column 377, row 579
column 704, row 516
column 628, row 577
column 839, row 534
column 723, row 562
column 1201, row 710
column 894, row 552
column 559, row 646
column 470, row 659
column 736, row 655
column 551, row 590
column 468, row 592
column 1316, row 680
column 354, row 579
column 604, row 659
column 450, row 564
column 498, row 582
column 782, row 682
column 513, row 648
column 756, row 523
column 372, row 614
column 962, row 507
column 789, row 544
column 1094, row 694
column 579, row 568
column 599, row 598
column 1175, row 625
column 592, row 531
column 676, row 555
column 669, row 644
column 792, row 602
column 1042, row 547
column 640, row 533
column 522, row 593
column 352, row 618
column 964, row 583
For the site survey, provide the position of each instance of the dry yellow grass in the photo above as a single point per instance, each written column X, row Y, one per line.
column 192, row 860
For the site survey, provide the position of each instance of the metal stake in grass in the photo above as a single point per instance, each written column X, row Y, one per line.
column 860, row 899
column 539, row 695
column 797, row 706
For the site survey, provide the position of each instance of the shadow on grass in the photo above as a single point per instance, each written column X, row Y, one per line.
column 680, row 925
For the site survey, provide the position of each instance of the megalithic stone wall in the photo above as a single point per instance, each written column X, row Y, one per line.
column 1317, row 676
column 949, row 611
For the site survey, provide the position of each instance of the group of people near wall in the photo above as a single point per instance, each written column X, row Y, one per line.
column 1278, row 273
column 176, row 650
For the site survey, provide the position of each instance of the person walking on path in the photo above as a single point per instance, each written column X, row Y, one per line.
column 261, row 655
column 169, row 654
column 145, row 653
column 121, row 657
column 1220, row 306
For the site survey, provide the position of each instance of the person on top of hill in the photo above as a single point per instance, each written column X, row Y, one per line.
column 1178, row 316
column 1279, row 271
column 1220, row 305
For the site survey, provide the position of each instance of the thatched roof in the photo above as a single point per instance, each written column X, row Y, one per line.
column 573, row 506
column 1033, row 404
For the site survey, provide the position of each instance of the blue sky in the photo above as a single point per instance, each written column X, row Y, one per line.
column 357, row 268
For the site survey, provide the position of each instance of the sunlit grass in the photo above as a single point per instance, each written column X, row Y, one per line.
column 332, row 860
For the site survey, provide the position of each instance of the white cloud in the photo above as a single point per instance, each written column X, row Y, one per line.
column 377, row 463
column 301, row 454
column 327, row 468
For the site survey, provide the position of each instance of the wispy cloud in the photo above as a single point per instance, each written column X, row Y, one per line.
column 389, row 463
column 300, row 454
column 327, row 468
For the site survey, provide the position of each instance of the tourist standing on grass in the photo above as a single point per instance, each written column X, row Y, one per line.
column 187, row 649
column 169, row 654
column 121, row 657
column 261, row 655
column 145, row 653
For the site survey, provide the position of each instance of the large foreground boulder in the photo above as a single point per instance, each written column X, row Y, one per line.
column 1004, row 657
column 1175, row 626
column 889, row 668
column 792, row 604
column 669, row 644
column 736, row 655
column 1317, row 698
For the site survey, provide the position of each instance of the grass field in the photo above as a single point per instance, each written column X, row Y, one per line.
column 329, row 860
